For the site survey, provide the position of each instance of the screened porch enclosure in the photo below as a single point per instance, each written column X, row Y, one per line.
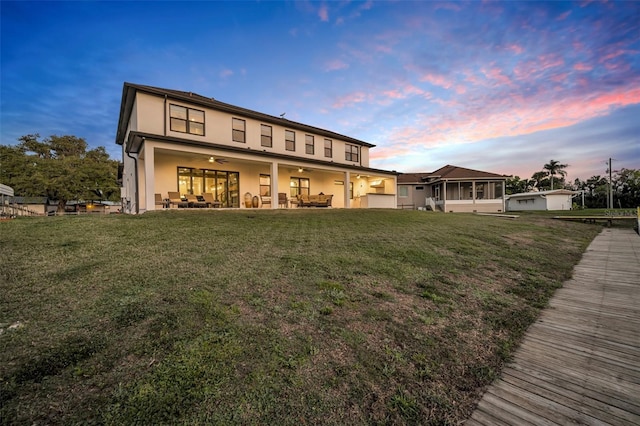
column 467, row 191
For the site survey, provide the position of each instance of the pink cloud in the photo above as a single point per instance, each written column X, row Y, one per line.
column 559, row 78
column 616, row 54
column 497, row 75
column 323, row 13
column 563, row 16
column 351, row 98
column 582, row 67
column 335, row 65
column 515, row 48
column 501, row 117
column 437, row 80
column 226, row 73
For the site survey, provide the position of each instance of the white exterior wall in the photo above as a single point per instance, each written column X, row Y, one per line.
column 149, row 111
column 540, row 202
column 535, row 202
column 559, row 202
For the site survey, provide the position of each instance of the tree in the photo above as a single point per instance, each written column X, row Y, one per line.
column 553, row 168
column 60, row 168
column 626, row 184
column 515, row 185
column 540, row 180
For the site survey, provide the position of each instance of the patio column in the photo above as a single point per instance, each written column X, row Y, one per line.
column 444, row 196
column 473, row 191
column 347, row 185
column 274, row 185
column 149, row 178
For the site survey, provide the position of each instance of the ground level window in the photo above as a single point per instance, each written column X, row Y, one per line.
column 224, row 185
column 403, row 191
column 298, row 186
column 265, row 185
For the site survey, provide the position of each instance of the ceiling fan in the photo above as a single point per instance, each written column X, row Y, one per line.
column 218, row 160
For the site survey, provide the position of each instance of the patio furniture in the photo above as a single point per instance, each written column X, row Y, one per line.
column 265, row 200
column 176, row 200
column 319, row 200
column 282, row 199
column 194, row 202
column 161, row 202
column 211, row 202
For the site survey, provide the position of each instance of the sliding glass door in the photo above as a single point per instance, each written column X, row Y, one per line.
column 222, row 184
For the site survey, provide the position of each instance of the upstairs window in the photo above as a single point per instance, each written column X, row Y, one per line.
column 239, row 130
column 186, row 120
column 266, row 138
column 328, row 148
column 351, row 152
column 309, row 145
column 289, row 140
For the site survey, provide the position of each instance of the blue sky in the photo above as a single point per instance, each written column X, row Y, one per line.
column 496, row 86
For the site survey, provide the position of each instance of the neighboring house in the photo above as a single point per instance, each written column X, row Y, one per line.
column 180, row 141
column 558, row 199
column 453, row 189
column 102, row 207
column 28, row 206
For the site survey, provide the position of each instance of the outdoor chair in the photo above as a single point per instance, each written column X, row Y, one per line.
column 211, row 202
column 282, row 199
column 161, row 202
column 194, row 202
column 265, row 200
column 176, row 200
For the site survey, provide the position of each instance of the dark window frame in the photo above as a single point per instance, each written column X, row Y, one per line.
column 328, row 150
column 265, row 189
column 190, row 124
column 289, row 144
column 266, row 140
column 309, row 144
column 237, row 134
column 352, row 152
column 298, row 189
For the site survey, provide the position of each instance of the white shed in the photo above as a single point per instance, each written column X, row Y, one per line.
column 558, row 199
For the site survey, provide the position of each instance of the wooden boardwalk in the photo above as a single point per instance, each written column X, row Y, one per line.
column 580, row 362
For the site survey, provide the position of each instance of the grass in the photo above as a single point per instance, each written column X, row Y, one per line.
column 268, row 317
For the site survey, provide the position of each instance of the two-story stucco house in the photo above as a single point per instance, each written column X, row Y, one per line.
column 174, row 141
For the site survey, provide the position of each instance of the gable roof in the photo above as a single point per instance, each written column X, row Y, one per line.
column 456, row 172
column 30, row 200
column 447, row 172
column 129, row 91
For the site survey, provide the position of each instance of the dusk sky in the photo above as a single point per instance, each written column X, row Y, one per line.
column 502, row 87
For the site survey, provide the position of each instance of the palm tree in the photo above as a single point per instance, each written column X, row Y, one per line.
column 554, row 167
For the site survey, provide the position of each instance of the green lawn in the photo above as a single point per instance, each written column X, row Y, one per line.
column 268, row 317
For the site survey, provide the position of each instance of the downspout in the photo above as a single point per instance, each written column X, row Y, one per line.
column 165, row 115
column 135, row 176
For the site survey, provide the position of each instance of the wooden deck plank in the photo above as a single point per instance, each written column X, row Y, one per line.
column 580, row 362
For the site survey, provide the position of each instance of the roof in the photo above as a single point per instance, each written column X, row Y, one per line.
column 129, row 91
column 447, row 172
column 30, row 200
column 543, row 193
column 136, row 139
